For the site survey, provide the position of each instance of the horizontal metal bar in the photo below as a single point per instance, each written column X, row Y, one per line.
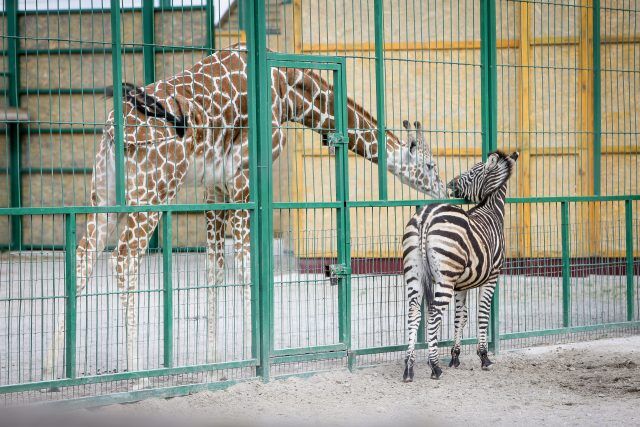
column 134, row 396
column 403, row 347
column 317, row 60
column 196, row 207
column 308, row 350
column 309, row 357
column 550, row 199
column 120, row 376
column 307, row 205
column 572, row 329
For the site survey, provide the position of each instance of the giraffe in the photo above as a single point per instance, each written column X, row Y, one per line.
column 189, row 128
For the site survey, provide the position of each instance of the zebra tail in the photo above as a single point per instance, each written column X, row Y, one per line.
column 427, row 281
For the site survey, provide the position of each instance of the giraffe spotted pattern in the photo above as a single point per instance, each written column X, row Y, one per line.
column 193, row 127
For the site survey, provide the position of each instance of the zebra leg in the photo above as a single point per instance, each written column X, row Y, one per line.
column 415, row 293
column 484, row 310
column 460, row 322
column 442, row 297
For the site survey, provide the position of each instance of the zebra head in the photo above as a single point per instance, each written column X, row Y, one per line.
column 414, row 164
column 483, row 179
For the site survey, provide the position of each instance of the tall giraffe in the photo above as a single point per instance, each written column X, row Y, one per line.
column 191, row 124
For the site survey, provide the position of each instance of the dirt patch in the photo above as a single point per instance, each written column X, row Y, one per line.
column 590, row 383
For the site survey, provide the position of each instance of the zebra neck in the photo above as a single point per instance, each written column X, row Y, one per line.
column 491, row 208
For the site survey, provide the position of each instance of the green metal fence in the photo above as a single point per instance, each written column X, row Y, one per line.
column 556, row 80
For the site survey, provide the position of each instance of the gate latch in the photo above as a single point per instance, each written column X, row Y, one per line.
column 336, row 271
column 335, row 139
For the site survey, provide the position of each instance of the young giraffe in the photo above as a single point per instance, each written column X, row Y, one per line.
column 192, row 124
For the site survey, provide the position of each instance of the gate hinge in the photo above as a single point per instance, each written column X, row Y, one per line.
column 336, row 271
column 335, row 139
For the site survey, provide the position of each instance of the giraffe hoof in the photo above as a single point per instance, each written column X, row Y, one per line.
column 455, row 361
column 408, row 374
column 436, row 372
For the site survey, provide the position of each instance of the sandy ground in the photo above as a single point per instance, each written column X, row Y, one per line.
column 589, row 383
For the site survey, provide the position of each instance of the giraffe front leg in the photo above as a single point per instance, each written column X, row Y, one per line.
column 125, row 260
column 484, row 312
column 216, row 221
column 442, row 296
column 460, row 322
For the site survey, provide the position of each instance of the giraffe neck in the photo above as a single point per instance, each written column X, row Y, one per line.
column 309, row 100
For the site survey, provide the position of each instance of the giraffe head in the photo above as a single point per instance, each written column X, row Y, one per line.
column 483, row 178
column 414, row 165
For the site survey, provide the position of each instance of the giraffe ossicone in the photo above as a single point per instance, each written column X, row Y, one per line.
column 192, row 127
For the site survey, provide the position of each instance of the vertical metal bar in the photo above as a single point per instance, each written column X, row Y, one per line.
column 259, row 83
column 15, row 158
column 628, row 221
column 70, row 296
column 211, row 24
column 342, row 195
column 380, row 99
column 148, row 56
column 167, row 287
column 566, row 266
column 116, row 58
column 597, row 108
column 489, row 125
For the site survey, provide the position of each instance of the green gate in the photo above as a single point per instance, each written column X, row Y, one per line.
column 299, row 331
column 555, row 80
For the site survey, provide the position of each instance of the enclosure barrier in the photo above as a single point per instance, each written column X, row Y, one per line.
column 556, row 81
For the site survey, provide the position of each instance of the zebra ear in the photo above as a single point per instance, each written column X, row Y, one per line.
column 492, row 161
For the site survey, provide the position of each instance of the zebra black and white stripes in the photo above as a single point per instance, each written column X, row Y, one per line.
column 447, row 251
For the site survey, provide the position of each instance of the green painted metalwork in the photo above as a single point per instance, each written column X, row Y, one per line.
column 122, row 376
column 211, row 25
column 566, row 265
column 631, row 297
column 175, row 300
column 260, row 130
column 380, row 99
column 70, row 296
column 597, row 101
column 167, row 287
column 118, row 118
column 13, row 128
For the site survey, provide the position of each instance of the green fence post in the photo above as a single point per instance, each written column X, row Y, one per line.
column 380, row 99
column 149, row 59
column 628, row 219
column 211, row 25
column 489, row 124
column 167, row 287
column 15, row 158
column 566, row 265
column 70, row 296
column 259, row 84
column 597, row 108
column 116, row 58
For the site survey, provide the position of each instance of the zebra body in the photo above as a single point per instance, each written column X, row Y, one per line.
column 447, row 251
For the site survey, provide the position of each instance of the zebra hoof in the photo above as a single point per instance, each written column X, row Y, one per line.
column 455, row 361
column 436, row 372
column 408, row 374
column 455, row 358
column 485, row 363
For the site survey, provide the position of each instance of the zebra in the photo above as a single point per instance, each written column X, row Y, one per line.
column 448, row 250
